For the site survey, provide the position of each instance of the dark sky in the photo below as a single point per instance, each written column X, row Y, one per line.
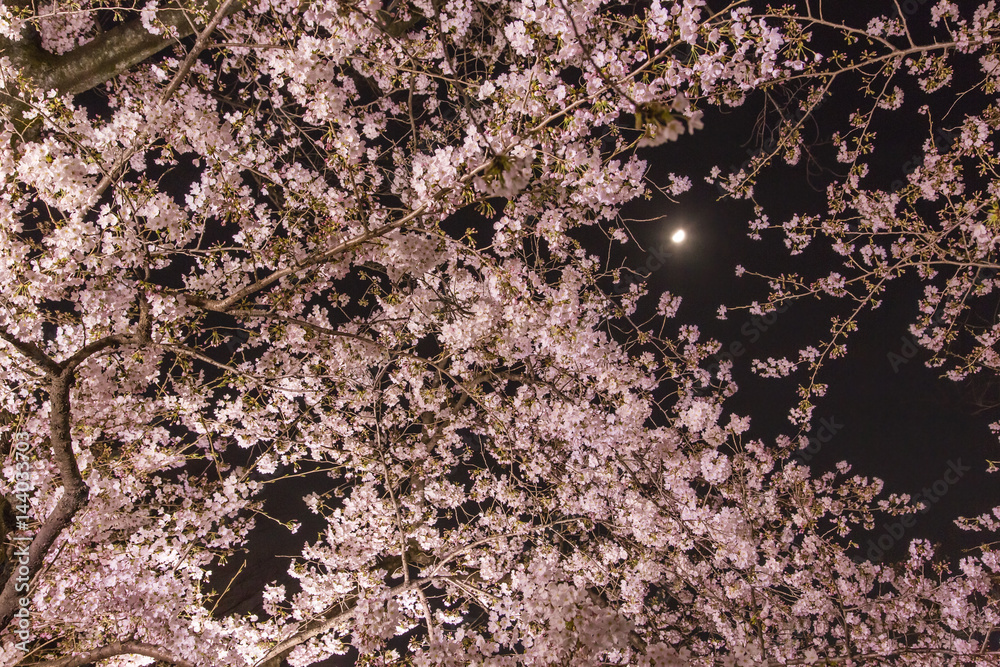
column 894, row 418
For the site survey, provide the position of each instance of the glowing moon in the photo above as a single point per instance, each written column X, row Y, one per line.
column 678, row 236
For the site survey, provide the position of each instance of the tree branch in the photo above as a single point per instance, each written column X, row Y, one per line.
column 32, row 351
column 112, row 650
column 326, row 621
column 320, row 257
column 142, row 334
column 75, row 490
column 74, row 496
column 218, row 14
column 112, row 53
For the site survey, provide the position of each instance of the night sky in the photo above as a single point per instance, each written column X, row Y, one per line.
column 891, row 416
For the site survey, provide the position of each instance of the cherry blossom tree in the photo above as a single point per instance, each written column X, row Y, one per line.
column 935, row 217
column 342, row 248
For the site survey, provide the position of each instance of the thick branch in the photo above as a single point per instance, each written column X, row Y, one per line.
column 32, row 351
column 141, row 336
column 112, row 53
column 224, row 305
column 75, row 490
column 325, row 622
column 112, row 650
column 74, row 497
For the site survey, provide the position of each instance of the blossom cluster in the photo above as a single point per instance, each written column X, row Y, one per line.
column 244, row 273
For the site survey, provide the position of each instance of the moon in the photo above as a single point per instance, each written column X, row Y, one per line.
column 678, row 236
